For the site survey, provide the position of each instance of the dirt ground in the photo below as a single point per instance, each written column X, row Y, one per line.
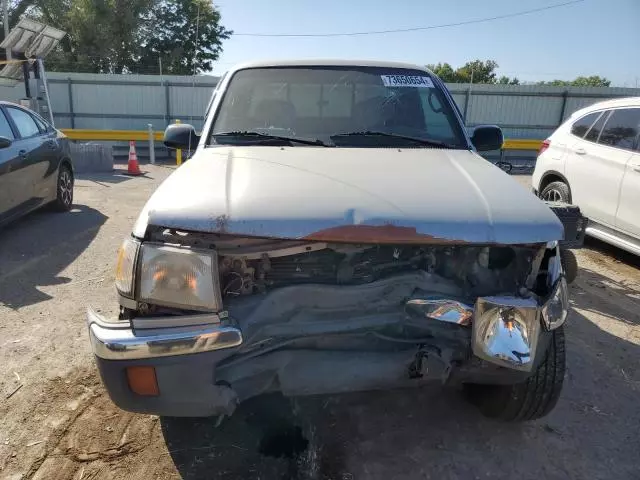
column 57, row 423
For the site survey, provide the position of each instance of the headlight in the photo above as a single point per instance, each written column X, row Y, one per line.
column 178, row 277
column 505, row 331
column 125, row 266
column 556, row 308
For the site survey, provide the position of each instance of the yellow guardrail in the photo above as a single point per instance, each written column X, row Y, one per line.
column 521, row 144
column 111, row 135
column 143, row 135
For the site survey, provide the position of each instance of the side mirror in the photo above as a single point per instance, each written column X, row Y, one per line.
column 487, row 137
column 181, row 135
column 5, row 142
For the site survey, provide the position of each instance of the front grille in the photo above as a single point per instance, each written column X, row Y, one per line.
column 330, row 267
column 312, row 267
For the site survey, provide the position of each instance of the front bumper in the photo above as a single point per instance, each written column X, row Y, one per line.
column 205, row 369
column 117, row 341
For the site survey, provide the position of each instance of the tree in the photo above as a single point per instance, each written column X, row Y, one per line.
column 173, row 27
column 504, row 80
column 592, row 81
column 444, row 71
column 130, row 36
column 103, row 36
column 477, row 71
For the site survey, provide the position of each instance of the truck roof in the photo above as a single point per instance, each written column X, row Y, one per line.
column 327, row 63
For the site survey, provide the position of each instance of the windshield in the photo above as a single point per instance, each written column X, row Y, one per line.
column 341, row 106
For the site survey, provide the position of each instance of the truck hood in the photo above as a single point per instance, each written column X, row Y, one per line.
column 349, row 194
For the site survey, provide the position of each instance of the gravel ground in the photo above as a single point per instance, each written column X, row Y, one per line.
column 57, row 423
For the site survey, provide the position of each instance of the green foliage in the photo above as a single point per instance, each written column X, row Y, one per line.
column 477, row 71
column 130, row 36
column 504, row 80
column 173, row 28
column 592, row 81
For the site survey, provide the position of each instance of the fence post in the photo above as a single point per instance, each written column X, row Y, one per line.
column 178, row 153
column 466, row 105
column 70, row 95
column 167, row 102
column 152, row 146
column 563, row 110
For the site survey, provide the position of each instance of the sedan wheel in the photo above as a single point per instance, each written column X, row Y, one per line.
column 64, row 198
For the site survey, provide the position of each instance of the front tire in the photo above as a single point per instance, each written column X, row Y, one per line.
column 569, row 264
column 556, row 192
column 531, row 399
column 64, row 190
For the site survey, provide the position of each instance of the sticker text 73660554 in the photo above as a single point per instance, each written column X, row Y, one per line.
column 407, row 81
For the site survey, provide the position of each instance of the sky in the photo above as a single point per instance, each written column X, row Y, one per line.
column 593, row 37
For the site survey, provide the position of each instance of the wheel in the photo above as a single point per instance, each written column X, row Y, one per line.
column 556, row 192
column 64, row 190
column 531, row 399
column 569, row 264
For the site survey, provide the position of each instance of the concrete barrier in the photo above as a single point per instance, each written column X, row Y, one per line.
column 91, row 157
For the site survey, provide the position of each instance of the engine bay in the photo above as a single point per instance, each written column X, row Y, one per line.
column 249, row 265
column 477, row 270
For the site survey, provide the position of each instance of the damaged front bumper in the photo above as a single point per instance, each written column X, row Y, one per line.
column 117, row 341
column 205, row 368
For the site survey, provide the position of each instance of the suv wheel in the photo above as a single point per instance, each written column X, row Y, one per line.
column 531, row 399
column 556, row 192
column 64, row 190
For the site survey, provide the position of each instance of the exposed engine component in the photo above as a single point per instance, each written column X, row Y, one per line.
column 479, row 270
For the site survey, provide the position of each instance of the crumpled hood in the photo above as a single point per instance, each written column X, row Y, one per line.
column 310, row 192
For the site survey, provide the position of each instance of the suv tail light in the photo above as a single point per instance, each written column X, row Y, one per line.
column 544, row 146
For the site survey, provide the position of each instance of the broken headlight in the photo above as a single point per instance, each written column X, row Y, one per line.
column 556, row 308
column 178, row 277
column 506, row 331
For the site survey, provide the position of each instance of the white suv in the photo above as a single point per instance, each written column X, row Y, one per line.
column 593, row 161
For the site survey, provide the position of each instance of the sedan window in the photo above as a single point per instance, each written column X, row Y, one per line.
column 622, row 128
column 44, row 126
column 24, row 122
column 5, row 128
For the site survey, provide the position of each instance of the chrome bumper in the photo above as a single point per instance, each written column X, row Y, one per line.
column 118, row 341
column 505, row 330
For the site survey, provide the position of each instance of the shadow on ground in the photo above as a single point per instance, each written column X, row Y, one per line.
column 616, row 253
column 36, row 248
column 104, row 179
column 431, row 432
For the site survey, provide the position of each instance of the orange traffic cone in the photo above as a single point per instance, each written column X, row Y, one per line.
column 132, row 165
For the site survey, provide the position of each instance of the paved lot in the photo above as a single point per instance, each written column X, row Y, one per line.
column 57, row 423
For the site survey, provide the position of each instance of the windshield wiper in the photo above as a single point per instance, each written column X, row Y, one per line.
column 371, row 133
column 266, row 136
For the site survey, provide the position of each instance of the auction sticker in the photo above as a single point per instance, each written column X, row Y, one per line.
column 406, row 81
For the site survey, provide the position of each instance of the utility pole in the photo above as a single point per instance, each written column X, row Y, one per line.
column 5, row 17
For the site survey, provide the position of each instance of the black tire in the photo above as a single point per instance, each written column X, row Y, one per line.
column 556, row 192
column 528, row 400
column 569, row 264
column 64, row 190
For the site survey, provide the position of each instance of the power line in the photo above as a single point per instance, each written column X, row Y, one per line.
column 415, row 29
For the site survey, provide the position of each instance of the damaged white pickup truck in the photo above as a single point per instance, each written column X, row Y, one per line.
column 335, row 230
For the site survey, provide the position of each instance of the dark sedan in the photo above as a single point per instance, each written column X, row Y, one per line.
column 35, row 164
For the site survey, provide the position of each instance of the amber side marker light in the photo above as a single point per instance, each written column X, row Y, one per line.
column 142, row 380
